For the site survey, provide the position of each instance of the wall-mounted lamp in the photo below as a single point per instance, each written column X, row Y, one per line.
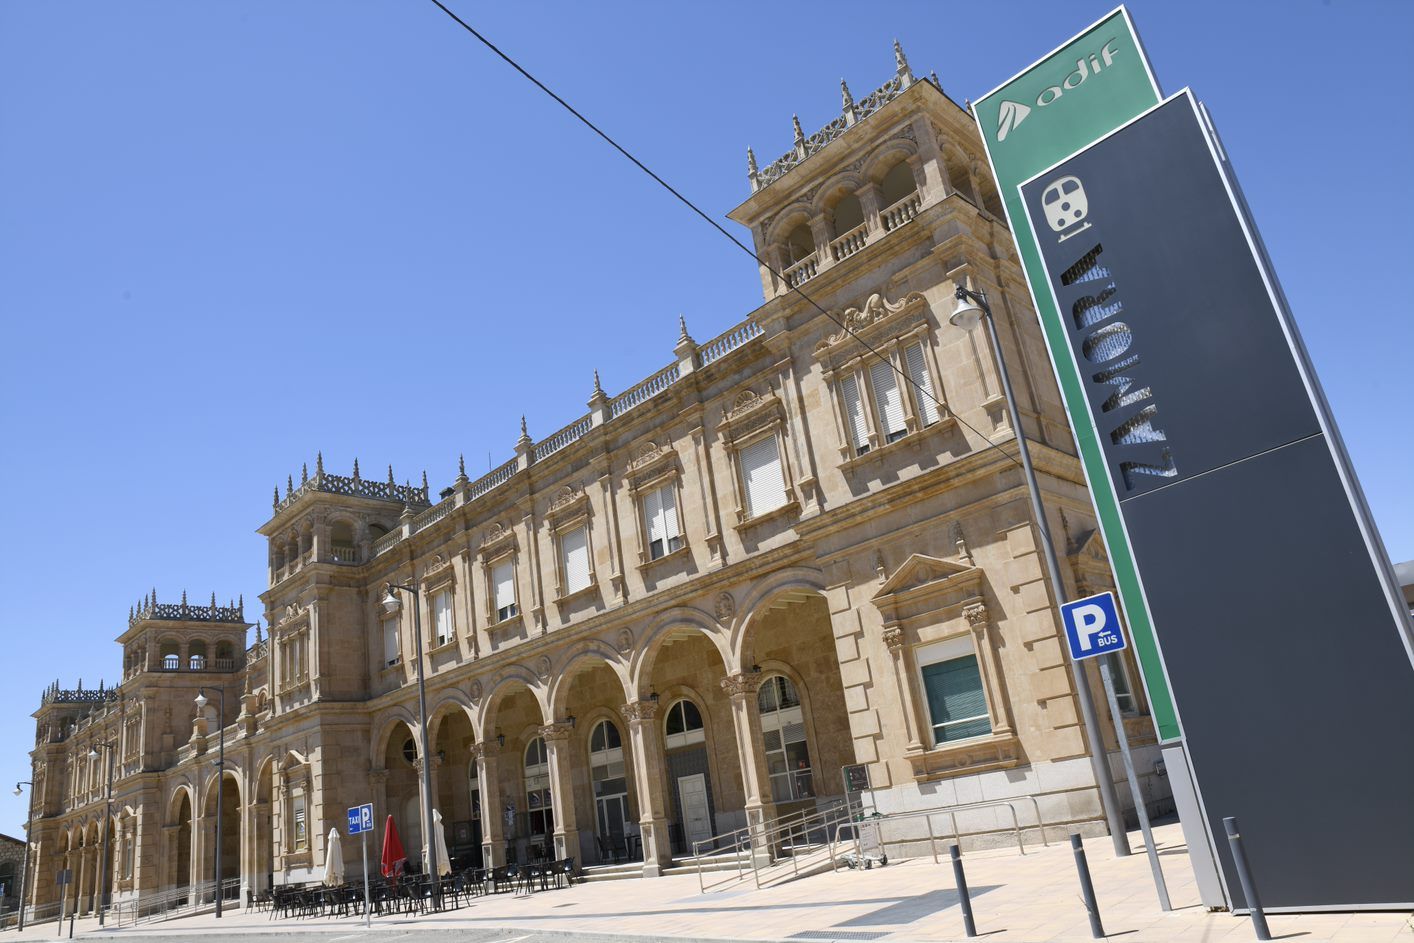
column 653, row 696
column 500, row 739
column 570, row 720
column 756, row 669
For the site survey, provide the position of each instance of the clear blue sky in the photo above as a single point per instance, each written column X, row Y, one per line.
column 234, row 233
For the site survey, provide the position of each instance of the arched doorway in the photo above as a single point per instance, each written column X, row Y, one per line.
column 457, row 787
column 613, row 820
column 229, row 852
column 519, row 795
column 403, row 789
column 590, row 697
column 180, row 854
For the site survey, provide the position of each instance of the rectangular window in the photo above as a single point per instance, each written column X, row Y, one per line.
column 504, row 590
column 761, row 475
column 298, row 832
column 888, row 401
column 957, row 705
column 442, row 617
column 660, row 512
column 574, row 559
column 1124, row 694
column 392, row 653
column 923, row 393
column 855, row 428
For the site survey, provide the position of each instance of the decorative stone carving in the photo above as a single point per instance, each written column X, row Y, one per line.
column 495, row 533
column 484, row 748
column 557, row 731
column 542, row 668
column 976, row 615
column 566, row 496
column 744, row 402
column 625, row 642
column 876, row 308
column 646, row 455
column 640, row 711
column 742, row 684
column 476, row 690
column 893, row 638
column 960, row 542
column 726, row 607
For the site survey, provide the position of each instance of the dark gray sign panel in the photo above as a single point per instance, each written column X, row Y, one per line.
column 1289, row 659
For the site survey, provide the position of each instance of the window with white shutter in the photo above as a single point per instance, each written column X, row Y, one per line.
column 761, row 476
column 574, row 559
column 888, row 402
column 442, row 617
column 922, row 382
column 855, row 428
column 391, row 648
column 660, row 515
column 504, row 590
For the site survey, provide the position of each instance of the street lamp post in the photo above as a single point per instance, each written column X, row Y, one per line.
column 391, row 604
column 220, row 784
column 109, row 746
column 971, row 308
column 24, row 865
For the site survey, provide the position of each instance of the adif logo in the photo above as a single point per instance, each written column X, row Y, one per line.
column 1011, row 114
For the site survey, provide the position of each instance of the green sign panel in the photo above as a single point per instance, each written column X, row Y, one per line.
column 1082, row 91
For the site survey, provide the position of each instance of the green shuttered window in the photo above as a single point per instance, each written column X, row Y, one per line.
column 956, row 703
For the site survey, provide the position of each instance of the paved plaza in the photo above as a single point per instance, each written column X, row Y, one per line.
column 1034, row 898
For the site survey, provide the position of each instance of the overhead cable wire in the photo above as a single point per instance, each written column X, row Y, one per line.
column 715, row 225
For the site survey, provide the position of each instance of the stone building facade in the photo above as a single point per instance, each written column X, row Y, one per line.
column 802, row 546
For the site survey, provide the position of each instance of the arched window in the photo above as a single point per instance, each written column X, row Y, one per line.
column 171, row 656
column 783, row 736
column 683, row 726
column 341, row 543
column 607, row 774
column 898, row 183
column 410, row 751
column 847, row 214
column 800, row 244
column 225, row 655
column 196, row 655
column 539, row 818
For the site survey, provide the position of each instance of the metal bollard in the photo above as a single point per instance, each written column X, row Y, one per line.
column 1087, row 889
column 968, row 924
column 1244, row 874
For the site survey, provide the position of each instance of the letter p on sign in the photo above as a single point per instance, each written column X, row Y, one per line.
column 1092, row 626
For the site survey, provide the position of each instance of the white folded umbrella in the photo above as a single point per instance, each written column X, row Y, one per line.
column 333, row 859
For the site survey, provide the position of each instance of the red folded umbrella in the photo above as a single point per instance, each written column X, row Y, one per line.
column 394, row 858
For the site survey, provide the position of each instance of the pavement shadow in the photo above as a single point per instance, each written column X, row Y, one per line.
column 914, row 908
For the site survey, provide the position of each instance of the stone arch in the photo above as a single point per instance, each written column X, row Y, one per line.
column 582, row 656
column 674, row 623
column 505, row 683
column 174, row 799
column 232, row 772
column 447, row 703
column 797, row 214
column 888, row 156
column 383, row 729
column 834, row 189
column 779, row 586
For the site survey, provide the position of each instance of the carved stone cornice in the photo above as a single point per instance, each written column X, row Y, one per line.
column 742, row 684
column 640, row 711
column 558, row 731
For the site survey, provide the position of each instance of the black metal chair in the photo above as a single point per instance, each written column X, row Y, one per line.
column 564, row 872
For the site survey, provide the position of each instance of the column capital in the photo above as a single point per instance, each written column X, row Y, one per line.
column 557, row 731
column 893, row 638
column 640, row 711
column 976, row 615
column 483, row 750
column 377, row 776
column 742, row 684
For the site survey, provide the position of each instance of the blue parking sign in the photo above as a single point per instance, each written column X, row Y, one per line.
column 361, row 818
column 1092, row 626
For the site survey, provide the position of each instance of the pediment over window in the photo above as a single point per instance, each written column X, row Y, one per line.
column 920, row 571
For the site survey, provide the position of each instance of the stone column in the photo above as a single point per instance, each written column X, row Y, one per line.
column 907, row 693
column 648, row 772
column 493, row 828
column 979, row 622
column 756, row 782
column 558, row 750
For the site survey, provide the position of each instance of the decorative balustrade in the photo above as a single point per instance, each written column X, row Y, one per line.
column 801, row 272
column 387, row 540
column 726, row 342
column 432, row 515
column 341, row 552
column 492, row 479
column 853, row 114
column 851, row 242
column 358, row 487
column 644, row 391
column 901, row 212
column 575, row 430
column 259, row 650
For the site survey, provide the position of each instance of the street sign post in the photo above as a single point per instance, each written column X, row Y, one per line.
column 361, row 823
column 1092, row 629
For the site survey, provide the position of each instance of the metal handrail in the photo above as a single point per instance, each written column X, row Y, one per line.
column 951, row 811
column 768, row 836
